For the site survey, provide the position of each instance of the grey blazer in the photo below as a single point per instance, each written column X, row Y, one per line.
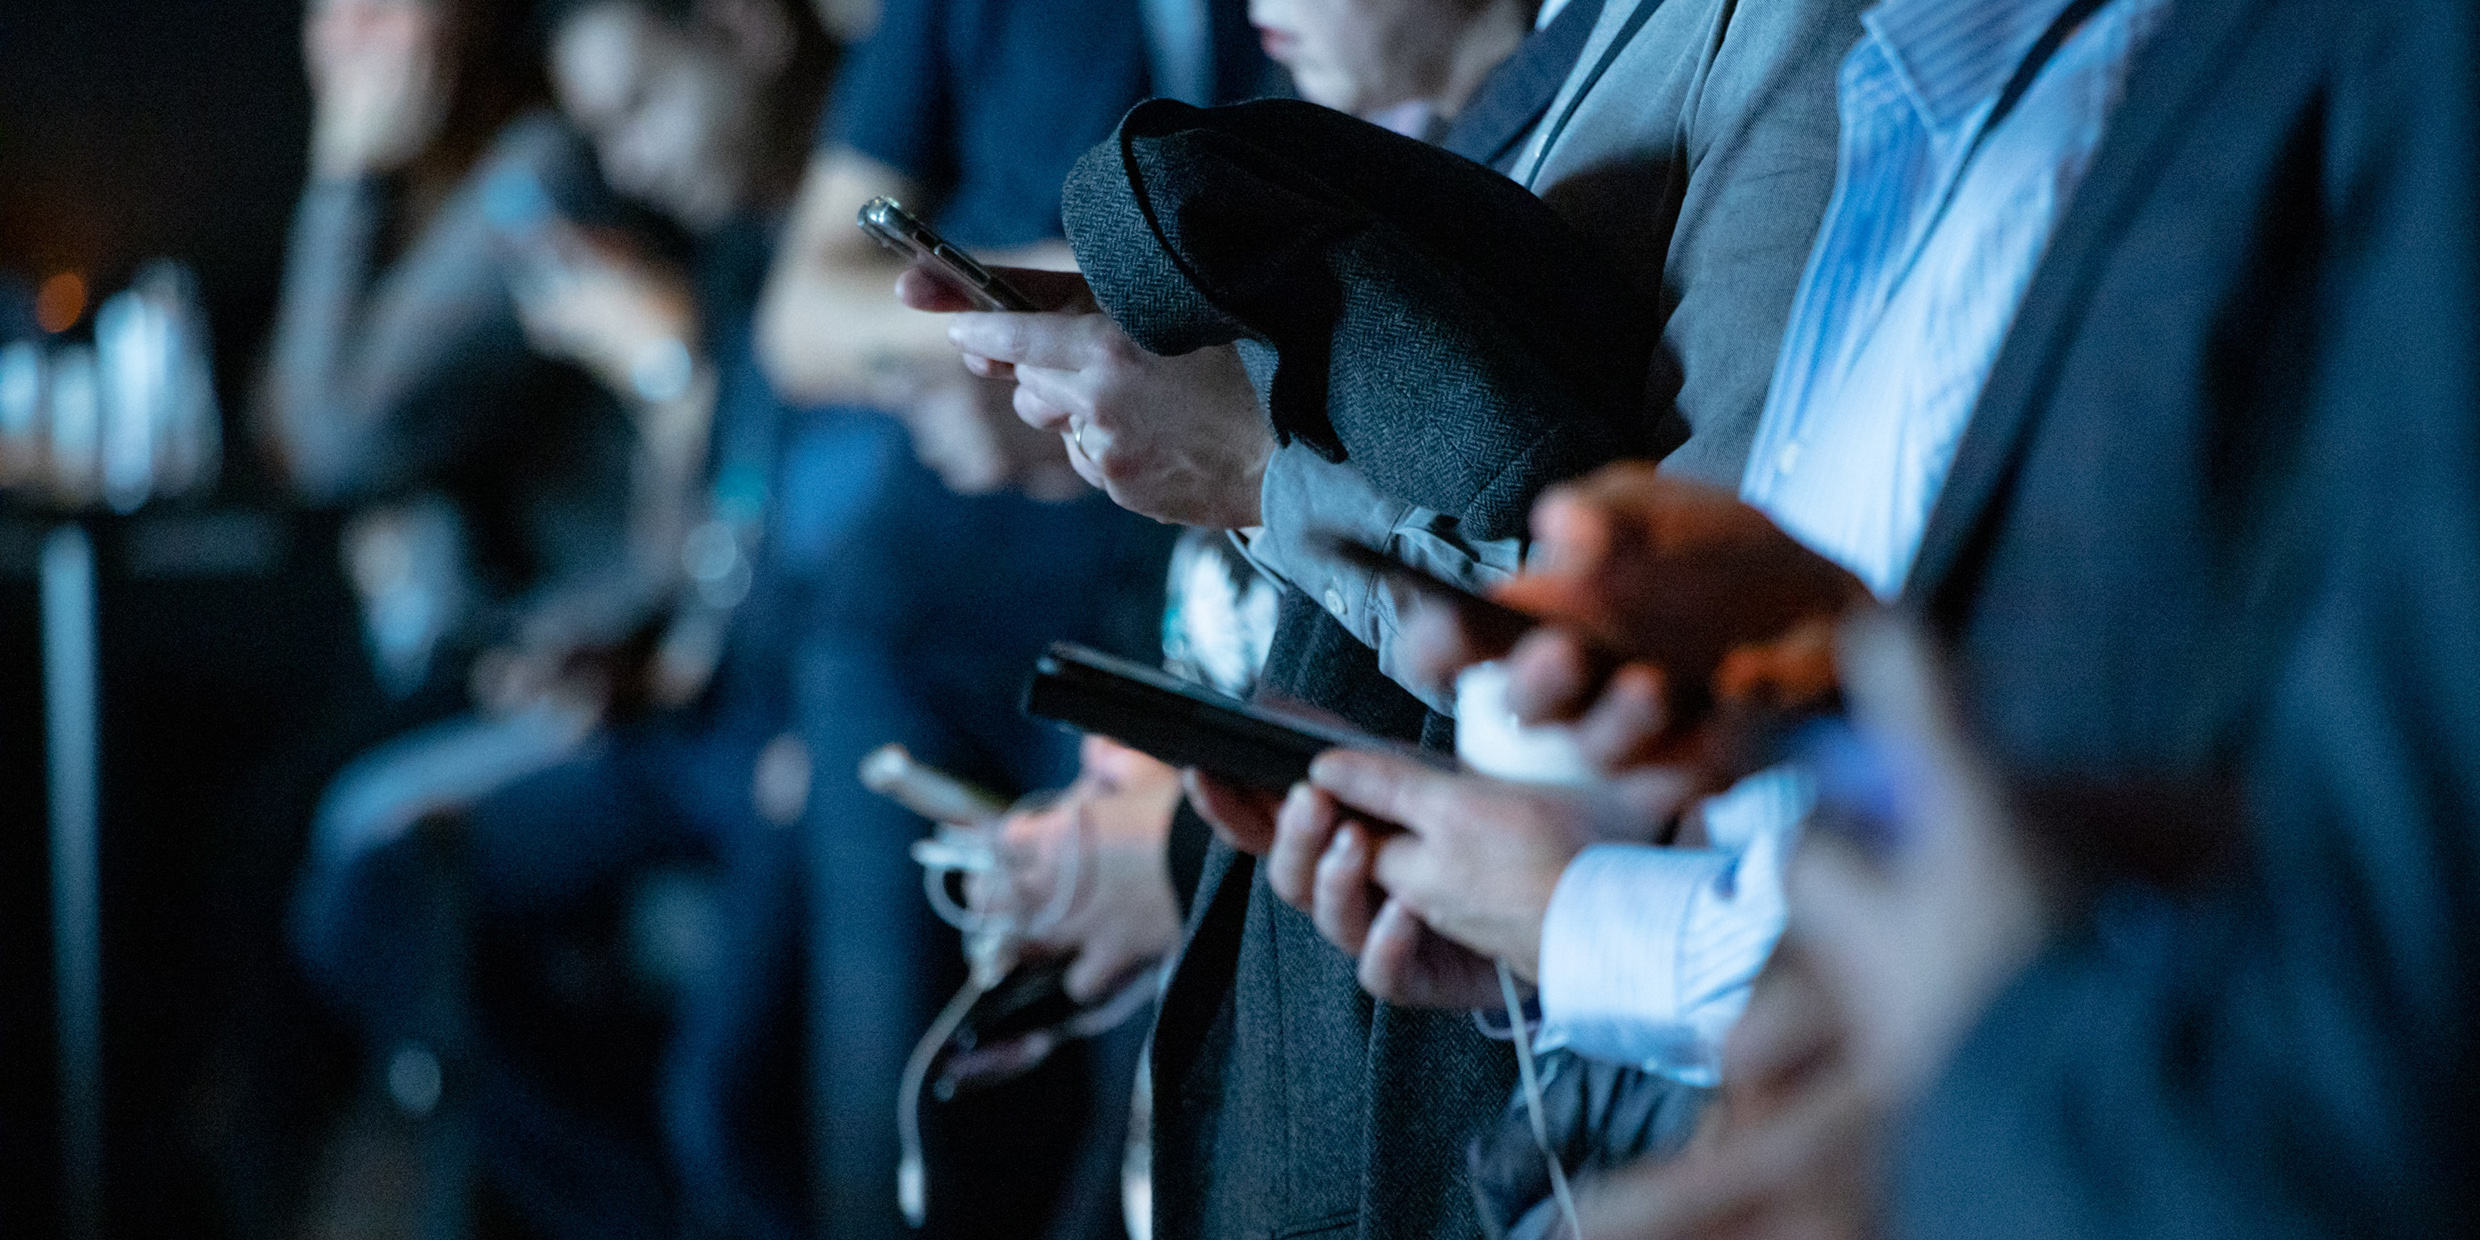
column 1287, row 1103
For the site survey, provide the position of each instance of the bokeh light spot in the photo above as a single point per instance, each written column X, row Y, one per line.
column 60, row 302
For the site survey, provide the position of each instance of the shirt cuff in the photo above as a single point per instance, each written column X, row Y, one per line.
column 1304, row 494
column 1648, row 954
column 1610, row 955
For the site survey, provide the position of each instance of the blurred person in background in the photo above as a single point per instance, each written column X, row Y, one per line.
column 507, row 498
column 971, row 112
column 494, row 914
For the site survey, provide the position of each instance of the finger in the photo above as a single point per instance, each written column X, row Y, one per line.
column 983, row 367
column 1640, row 804
column 1573, row 535
column 1343, row 895
column 1789, row 1024
column 1840, row 907
column 1696, row 1195
column 1051, row 290
column 1625, row 724
column 1396, row 789
column 1062, row 390
column 1099, row 969
column 1572, row 531
column 1401, row 866
column 1954, row 819
column 1058, row 341
column 1551, row 678
column 1085, row 466
column 1407, row 963
column 1037, row 412
column 1438, row 645
column 1302, row 830
column 1893, row 681
column 1243, row 817
column 921, row 288
column 1389, row 954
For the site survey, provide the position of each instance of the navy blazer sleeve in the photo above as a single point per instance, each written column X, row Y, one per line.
column 2289, row 1048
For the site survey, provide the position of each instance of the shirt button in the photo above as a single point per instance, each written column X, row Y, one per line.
column 1788, row 459
column 1334, row 603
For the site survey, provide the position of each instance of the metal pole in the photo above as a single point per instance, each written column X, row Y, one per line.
column 68, row 574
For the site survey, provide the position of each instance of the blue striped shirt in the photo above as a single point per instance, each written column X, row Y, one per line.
column 1932, row 236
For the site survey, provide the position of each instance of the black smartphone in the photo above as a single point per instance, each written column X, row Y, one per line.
column 1178, row 722
column 900, row 230
column 1492, row 622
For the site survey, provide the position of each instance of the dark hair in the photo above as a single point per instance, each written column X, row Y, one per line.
column 793, row 99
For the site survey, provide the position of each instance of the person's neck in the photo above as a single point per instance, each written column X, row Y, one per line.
column 1493, row 35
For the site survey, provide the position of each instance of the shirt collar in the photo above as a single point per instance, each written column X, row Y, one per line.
column 1952, row 57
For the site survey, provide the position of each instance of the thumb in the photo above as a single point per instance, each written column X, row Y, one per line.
column 1049, row 290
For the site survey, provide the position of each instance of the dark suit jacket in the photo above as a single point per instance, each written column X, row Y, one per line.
column 2215, row 527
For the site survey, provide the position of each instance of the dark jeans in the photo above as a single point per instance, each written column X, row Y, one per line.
column 394, row 926
column 924, row 624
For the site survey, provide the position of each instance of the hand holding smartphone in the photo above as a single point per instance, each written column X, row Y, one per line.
column 901, row 231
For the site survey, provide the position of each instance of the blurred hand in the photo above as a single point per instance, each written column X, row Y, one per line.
column 376, row 78
column 1176, row 438
column 1889, row 955
column 966, row 431
column 1789, row 1152
column 1241, row 816
column 1641, row 567
column 1666, row 607
column 629, row 321
column 1106, row 837
column 507, row 679
column 1913, row 937
column 1474, row 859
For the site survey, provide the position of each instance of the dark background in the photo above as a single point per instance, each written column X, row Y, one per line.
column 231, row 672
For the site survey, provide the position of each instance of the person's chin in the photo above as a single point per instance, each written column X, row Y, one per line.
column 1328, row 89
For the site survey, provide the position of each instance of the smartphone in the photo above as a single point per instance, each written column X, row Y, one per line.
column 900, row 230
column 893, row 772
column 1493, row 622
column 1178, row 722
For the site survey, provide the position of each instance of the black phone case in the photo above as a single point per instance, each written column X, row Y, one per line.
column 1175, row 721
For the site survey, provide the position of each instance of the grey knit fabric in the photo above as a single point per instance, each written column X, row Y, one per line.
column 1432, row 322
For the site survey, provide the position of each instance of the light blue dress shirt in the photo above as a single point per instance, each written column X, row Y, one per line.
column 1933, row 235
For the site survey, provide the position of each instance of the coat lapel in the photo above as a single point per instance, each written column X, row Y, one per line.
column 2162, row 96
